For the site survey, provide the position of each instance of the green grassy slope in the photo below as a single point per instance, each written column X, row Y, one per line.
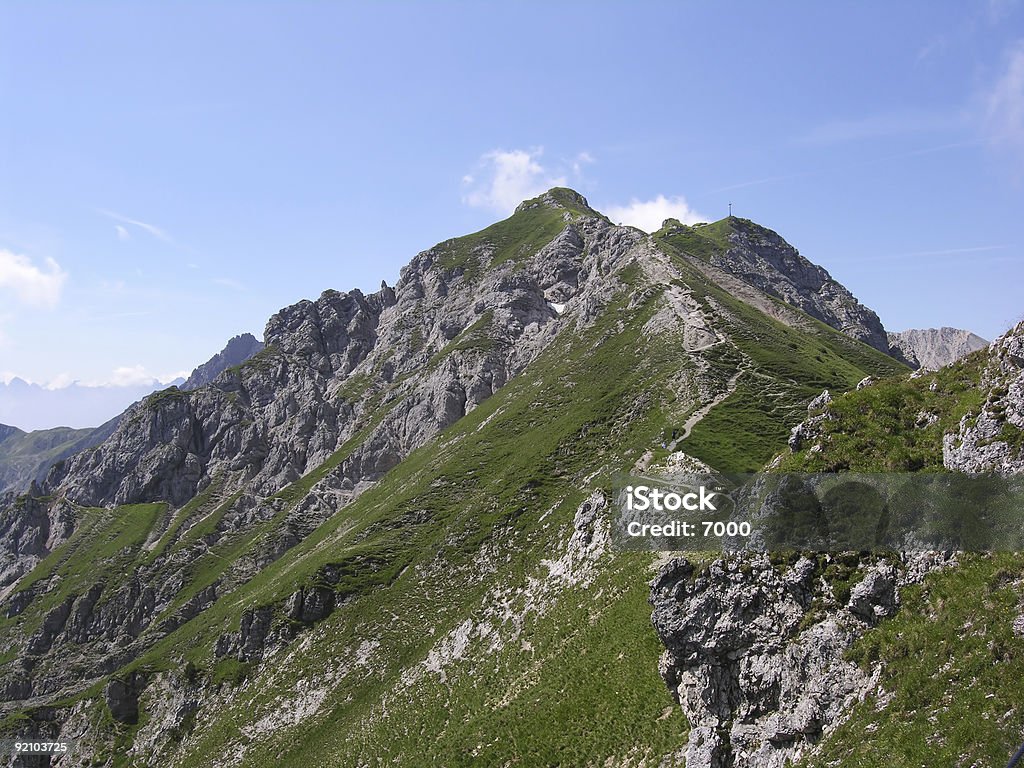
column 784, row 369
column 504, row 481
column 515, row 238
column 896, row 425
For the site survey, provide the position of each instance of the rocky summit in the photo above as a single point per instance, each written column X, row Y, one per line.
column 383, row 538
column 934, row 348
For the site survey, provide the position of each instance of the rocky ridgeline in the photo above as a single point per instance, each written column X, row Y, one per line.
column 756, row 647
column 298, row 400
column 933, row 348
column 349, row 385
column 761, row 258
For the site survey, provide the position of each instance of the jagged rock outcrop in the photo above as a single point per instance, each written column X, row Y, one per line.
column 29, row 530
column 817, row 412
column 237, row 351
column 934, row 348
column 755, row 648
column 992, row 440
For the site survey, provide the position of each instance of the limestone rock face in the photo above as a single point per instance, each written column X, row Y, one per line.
column 992, row 440
column 754, row 649
column 291, row 406
column 934, row 348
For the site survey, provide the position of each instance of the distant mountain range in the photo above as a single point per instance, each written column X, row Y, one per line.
column 27, row 455
column 32, row 406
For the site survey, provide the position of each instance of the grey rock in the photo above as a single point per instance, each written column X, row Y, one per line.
column 807, row 430
column 991, row 440
column 251, row 639
column 875, row 597
column 934, row 348
column 755, row 652
column 237, row 351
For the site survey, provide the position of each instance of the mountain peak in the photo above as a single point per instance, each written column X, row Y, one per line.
column 560, row 197
column 238, row 349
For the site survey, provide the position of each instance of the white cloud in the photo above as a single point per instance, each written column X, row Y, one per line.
column 649, row 215
column 60, row 381
column 32, row 285
column 1005, row 103
column 133, row 376
column 129, row 376
column 583, row 158
column 122, row 233
column 509, row 178
column 124, row 376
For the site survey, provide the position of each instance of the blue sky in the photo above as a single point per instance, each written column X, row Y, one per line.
column 171, row 176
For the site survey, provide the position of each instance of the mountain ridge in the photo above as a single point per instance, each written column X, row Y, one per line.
column 416, row 452
column 238, row 349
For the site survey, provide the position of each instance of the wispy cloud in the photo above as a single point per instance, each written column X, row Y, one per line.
column 1004, row 116
column 649, row 215
column 878, row 126
column 504, row 178
column 123, row 376
column 127, row 376
column 122, row 232
column 30, row 284
column 581, row 159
